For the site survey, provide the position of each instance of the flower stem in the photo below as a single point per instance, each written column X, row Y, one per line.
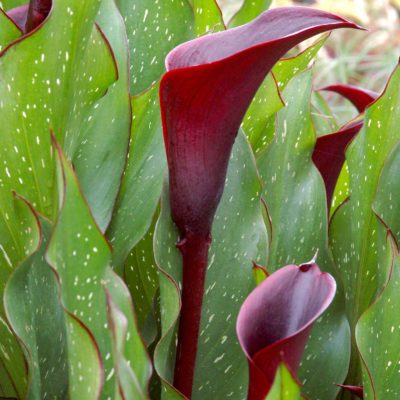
column 194, row 250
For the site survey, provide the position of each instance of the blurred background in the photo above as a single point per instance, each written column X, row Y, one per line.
column 364, row 59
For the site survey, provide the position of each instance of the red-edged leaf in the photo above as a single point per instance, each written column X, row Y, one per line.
column 329, row 155
column 276, row 318
column 360, row 98
column 18, row 15
column 356, row 390
column 204, row 95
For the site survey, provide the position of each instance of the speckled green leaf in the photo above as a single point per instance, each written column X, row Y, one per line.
column 284, row 387
column 295, row 196
column 386, row 203
column 142, row 181
column 133, row 368
column 249, row 10
column 80, row 255
column 239, row 237
column 207, row 16
column 100, row 157
column 358, row 238
column 44, row 86
column 36, row 315
column 13, row 379
column 323, row 118
column 259, row 121
column 85, row 368
column 377, row 334
column 141, row 276
column 8, row 30
column 154, row 27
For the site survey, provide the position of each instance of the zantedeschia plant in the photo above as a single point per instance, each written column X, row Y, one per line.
column 162, row 188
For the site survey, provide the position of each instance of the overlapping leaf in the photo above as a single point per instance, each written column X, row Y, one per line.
column 276, row 318
column 44, row 86
column 100, row 156
column 377, row 335
column 76, row 237
column 295, row 197
column 141, row 185
column 154, row 28
column 358, row 237
column 32, row 301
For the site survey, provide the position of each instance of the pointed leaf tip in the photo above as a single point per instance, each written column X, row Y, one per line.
column 276, row 318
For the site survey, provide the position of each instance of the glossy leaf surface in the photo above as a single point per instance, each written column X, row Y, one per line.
column 76, row 236
column 142, row 182
column 377, row 339
column 100, row 156
column 154, row 28
column 294, row 193
column 32, row 301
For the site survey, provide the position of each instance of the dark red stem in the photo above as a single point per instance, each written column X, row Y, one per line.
column 194, row 250
column 37, row 12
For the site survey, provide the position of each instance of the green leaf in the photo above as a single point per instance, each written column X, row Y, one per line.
column 249, row 10
column 14, row 249
column 154, row 28
column 323, row 118
column 239, row 237
column 100, row 157
column 85, row 372
column 141, row 276
column 259, row 121
column 8, row 30
column 133, row 365
column 358, row 238
column 8, row 4
column 207, row 17
column 388, row 193
column 285, row 387
column 142, row 181
column 76, row 237
column 377, row 334
column 295, row 195
column 31, row 299
column 43, row 87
